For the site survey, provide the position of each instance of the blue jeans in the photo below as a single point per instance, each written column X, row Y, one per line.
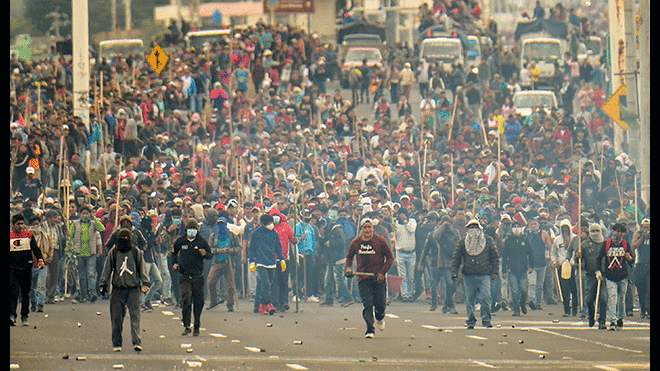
column 156, row 281
column 167, row 279
column 536, row 289
column 518, row 286
column 38, row 292
column 616, row 294
column 334, row 273
column 87, row 275
column 265, row 281
column 477, row 290
column 406, row 265
column 443, row 274
column 591, row 287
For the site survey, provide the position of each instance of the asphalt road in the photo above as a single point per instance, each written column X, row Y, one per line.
column 71, row 336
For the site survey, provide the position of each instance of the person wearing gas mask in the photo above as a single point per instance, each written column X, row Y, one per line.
column 188, row 254
column 264, row 255
column 125, row 271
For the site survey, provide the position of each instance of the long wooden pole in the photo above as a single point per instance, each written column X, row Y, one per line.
column 580, row 235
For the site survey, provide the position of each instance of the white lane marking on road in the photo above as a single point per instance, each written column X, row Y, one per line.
column 586, row 340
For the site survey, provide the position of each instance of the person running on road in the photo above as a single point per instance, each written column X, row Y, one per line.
column 374, row 259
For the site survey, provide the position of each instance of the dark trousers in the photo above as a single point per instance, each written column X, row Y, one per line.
column 218, row 270
column 120, row 300
column 53, row 276
column 591, row 287
column 374, row 301
column 20, row 283
column 192, row 299
column 643, row 283
column 281, row 288
column 569, row 294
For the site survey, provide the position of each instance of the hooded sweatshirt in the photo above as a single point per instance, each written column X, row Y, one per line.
column 284, row 231
column 124, row 265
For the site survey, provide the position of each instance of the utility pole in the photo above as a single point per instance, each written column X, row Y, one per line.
column 80, row 32
column 617, row 59
column 127, row 12
column 644, row 162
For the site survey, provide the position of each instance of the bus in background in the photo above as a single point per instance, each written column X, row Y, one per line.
column 197, row 39
column 110, row 49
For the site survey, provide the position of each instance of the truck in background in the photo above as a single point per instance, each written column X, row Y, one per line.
column 544, row 42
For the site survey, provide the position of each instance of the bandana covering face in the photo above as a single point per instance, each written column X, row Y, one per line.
column 596, row 234
column 475, row 241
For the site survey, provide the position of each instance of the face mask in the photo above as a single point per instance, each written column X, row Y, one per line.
column 276, row 219
column 333, row 215
column 534, row 229
column 409, row 190
column 123, row 244
column 517, row 231
column 270, row 226
column 176, row 221
column 191, row 233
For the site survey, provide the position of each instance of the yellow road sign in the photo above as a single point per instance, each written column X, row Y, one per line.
column 158, row 59
column 612, row 108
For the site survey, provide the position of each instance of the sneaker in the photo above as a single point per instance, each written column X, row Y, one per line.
column 12, row 321
column 369, row 335
column 612, row 326
column 230, row 308
column 93, row 298
column 470, row 327
column 186, row 331
column 213, row 305
column 40, row 308
column 592, row 321
column 24, row 321
column 523, row 308
column 196, row 331
column 434, row 307
column 271, row 309
column 619, row 324
column 116, row 349
column 532, row 305
column 453, row 311
column 601, row 326
column 495, row 307
column 313, row 299
column 488, row 325
column 295, row 299
column 137, row 348
column 262, row 309
column 516, row 313
column 381, row 325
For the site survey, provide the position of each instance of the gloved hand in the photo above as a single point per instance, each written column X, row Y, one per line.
column 599, row 276
column 253, row 268
column 103, row 290
column 348, row 272
column 283, row 265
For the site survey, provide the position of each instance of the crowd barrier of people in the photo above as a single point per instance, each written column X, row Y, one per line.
column 249, row 133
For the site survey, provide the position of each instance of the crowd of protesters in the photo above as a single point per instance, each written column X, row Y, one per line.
column 249, row 127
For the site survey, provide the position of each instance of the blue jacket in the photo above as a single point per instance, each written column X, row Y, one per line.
column 265, row 248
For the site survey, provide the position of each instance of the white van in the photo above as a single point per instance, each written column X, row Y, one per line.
column 445, row 50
